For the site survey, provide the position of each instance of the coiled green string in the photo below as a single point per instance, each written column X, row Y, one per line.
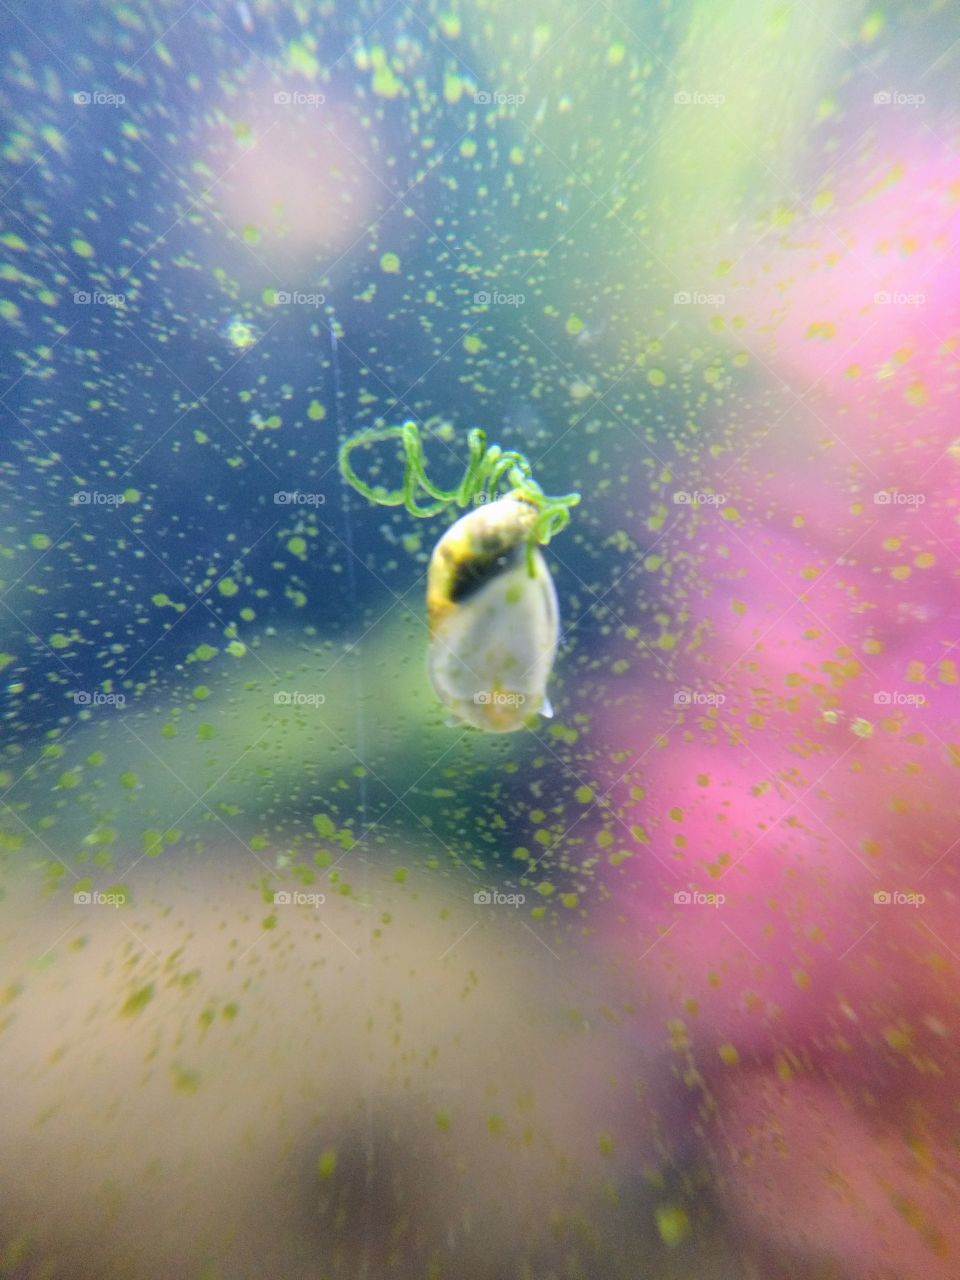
column 489, row 468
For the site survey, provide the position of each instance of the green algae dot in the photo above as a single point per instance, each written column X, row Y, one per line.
column 129, row 780
column 139, row 1000
column 574, row 326
column 152, row 842
column 323, row 825
column 297, row 546
column 316, row 412
column 82, row 248
column 327, row 1163
column 673, row 1223
column 390, row 263
column 227, row 587
column 185, row 1081
column 200, row 692
column 39, row 541
column 656, row 377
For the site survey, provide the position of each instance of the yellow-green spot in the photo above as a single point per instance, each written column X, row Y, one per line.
column 185, row 1081
column 673, row 1223
column 301, row 59
column 390, row 263
column 327, row 1163
column 316, row 412
column 82, row 248
column 323, row 825
column 139, row 1000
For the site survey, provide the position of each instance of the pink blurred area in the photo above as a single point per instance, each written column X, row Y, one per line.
column 819, row 1022
column 292, row 173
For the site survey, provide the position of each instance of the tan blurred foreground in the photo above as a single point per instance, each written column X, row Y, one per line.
column 404, row 1088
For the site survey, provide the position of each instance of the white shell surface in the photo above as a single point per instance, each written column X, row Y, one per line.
column 491, row 655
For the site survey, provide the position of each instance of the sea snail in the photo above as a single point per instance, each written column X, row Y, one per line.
column 491, row 604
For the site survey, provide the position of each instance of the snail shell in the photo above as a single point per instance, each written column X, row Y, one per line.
column 493, row 618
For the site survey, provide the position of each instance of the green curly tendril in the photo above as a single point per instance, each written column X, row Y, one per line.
column 489, row 468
